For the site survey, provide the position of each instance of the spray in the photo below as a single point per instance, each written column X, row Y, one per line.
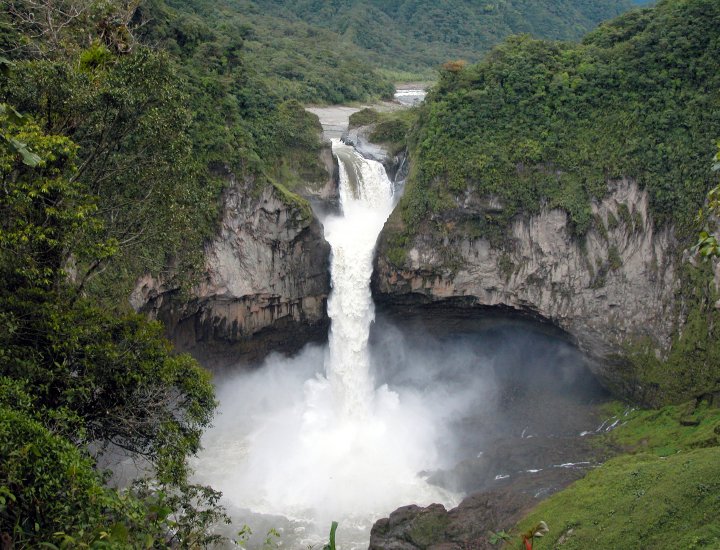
column 325, row 444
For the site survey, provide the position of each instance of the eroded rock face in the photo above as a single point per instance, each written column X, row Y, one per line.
column 264, row 287
column 615, row 286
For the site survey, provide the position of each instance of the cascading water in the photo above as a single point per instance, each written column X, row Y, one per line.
column 340, row 449
column 306, row 440
column 366, row 198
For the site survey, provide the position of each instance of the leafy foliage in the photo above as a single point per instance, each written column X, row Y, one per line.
column 73, row 374
column 543, row 123
column 159, row 133
column 51, row 494
column 707, row 244
column 331, row 542
column 389, row 128
column 291, row 59
column 363, row 117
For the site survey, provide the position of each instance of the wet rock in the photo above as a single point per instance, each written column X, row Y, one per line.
column 434, row 528
column 264, row 287
column 359, row 138
column 614, row 286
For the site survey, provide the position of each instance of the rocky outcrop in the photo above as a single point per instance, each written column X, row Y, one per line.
column 614, row 286
column 434, row 528
column 359, row 137
column 396, row 166
column 264, row 286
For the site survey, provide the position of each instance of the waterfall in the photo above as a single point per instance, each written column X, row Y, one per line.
column 366, row 198
column 314, row 445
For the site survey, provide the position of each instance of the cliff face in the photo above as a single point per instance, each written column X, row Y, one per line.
column 264, row 286
column 616, row 285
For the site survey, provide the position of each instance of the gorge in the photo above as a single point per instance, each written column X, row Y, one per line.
column 352, row 430
column 247, row 293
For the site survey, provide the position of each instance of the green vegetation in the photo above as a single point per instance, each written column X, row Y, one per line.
column 388, row 128
column 291, row 59
column 364, row 117
column 545, row 123
column 666, row 431
column 331, row 541
column 707, row 244
column 663, row 494
column 692, row 365
column 159, row 132
column 113, row 155
column 417, row 36
column 121, row 124
column 73, row 374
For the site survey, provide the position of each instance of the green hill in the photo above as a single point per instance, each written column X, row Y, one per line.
column 421, row 34
column 637, row 98
column 661, row 493
column 546, row 124
column 294, row 59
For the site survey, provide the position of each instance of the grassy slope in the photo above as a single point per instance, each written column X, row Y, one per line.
column 665, row 493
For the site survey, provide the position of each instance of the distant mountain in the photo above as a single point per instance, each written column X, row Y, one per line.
column 420, row 34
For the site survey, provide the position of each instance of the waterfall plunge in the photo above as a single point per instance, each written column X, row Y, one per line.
column 366, row 197
column 328, row 446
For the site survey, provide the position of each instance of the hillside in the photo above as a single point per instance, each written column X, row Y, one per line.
column 417, row 35
column 541, row 125
column 659, row 493
column 632, row 100
column 293, row 59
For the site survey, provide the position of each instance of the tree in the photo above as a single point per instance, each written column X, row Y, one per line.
column 50, row 493
column 74, row 375
column 707, row 244
column 50, row 25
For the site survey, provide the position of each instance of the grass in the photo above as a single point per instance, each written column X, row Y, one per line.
column 660, row 432
column 638, row 501
column 663, row 493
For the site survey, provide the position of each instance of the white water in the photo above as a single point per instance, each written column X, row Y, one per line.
column 410, row 96
column 366, row 198
column 333, row 447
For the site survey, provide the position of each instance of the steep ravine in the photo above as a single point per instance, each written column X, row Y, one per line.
column 615, row 285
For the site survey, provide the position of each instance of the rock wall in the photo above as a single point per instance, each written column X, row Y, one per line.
column 615, row 285
column 396, row 166
column 264, row 286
